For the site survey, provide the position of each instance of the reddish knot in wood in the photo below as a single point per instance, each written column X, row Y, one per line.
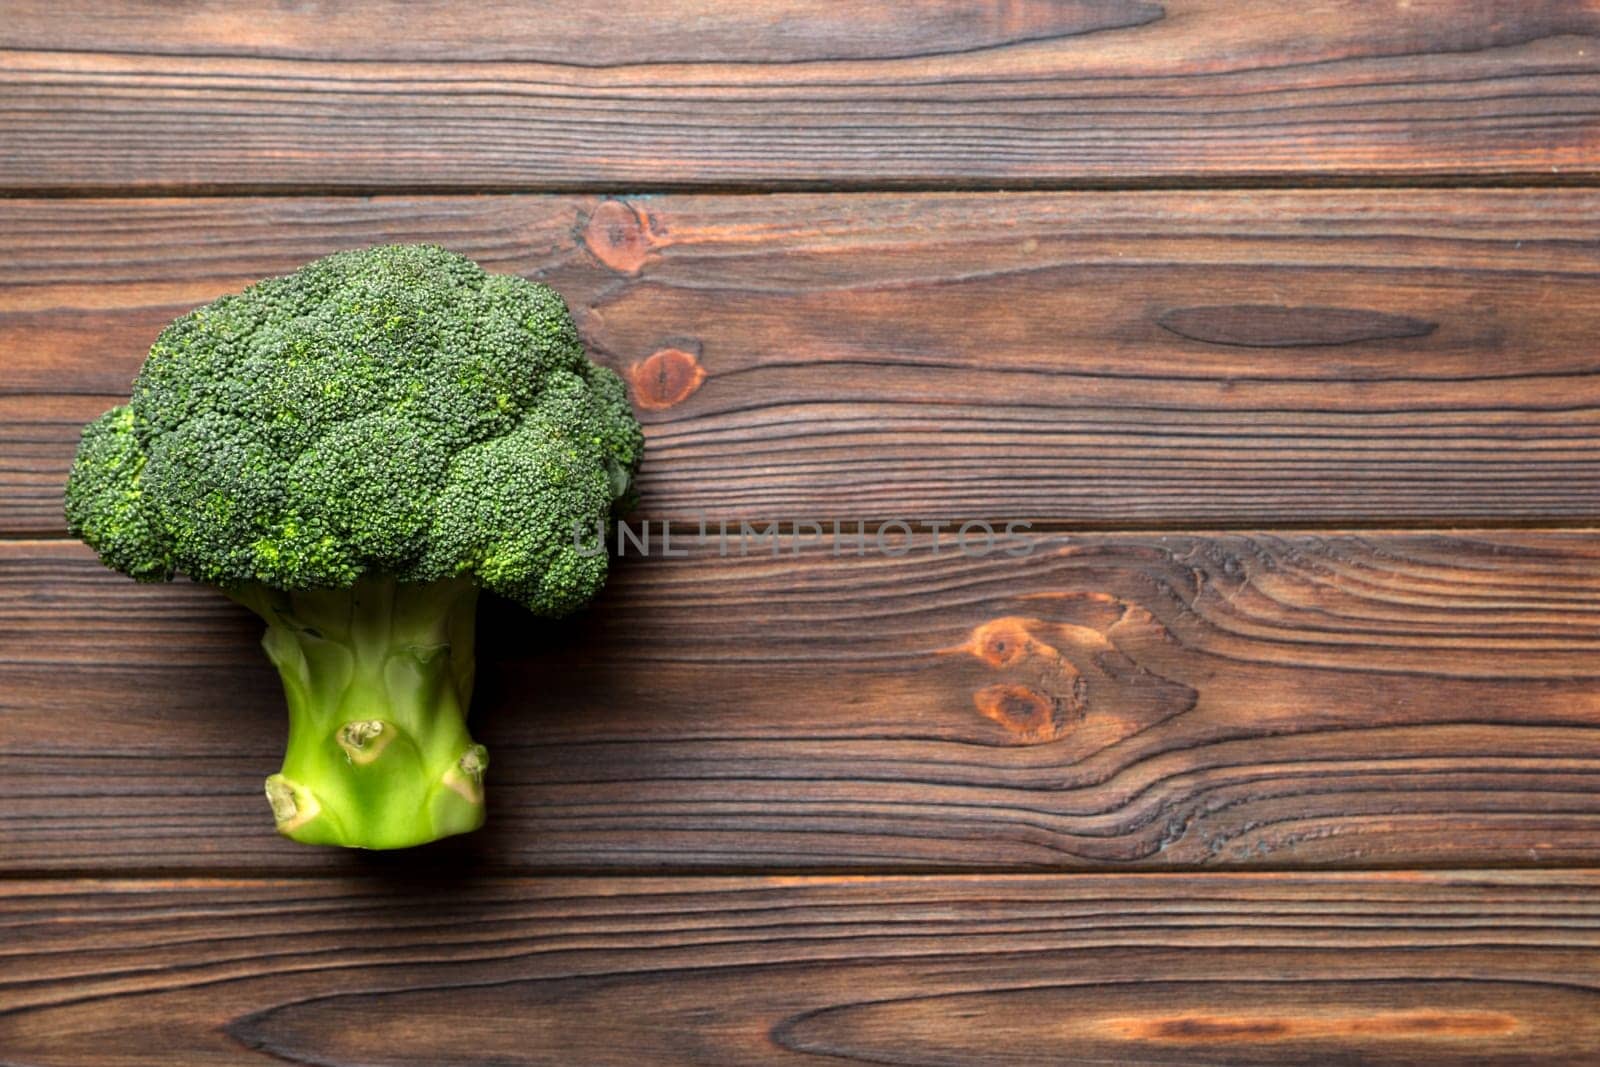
column 669, row 376
column 1081, row 679
column 1026, row 712
column 619, row 235
column 1045, row 694
column 1001, row 642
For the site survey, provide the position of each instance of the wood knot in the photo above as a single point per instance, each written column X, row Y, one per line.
column 667, row 377
column 618, row 235
column 1082, row 680
column 1002, row 642
column 1049, row 694
column 1029, row 714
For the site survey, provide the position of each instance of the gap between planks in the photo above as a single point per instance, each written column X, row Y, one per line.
column 688, row 531
column 1531, row 180
column 1502, row 873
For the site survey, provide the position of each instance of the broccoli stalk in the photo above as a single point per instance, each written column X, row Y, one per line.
column 352, row 451
column 378, row 678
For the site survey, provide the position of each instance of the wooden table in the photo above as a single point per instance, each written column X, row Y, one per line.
column 1276, row 322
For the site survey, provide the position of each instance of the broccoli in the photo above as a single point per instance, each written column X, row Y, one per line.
column 351, row 451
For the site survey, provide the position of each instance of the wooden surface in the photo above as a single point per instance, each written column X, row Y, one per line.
column 1276, row 321
column 259, row 95
column 1234, row 700
column 1101, row 359
column 1403, row 969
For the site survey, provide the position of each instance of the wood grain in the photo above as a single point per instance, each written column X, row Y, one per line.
column 899, row 804
column 1112, row 360
column 143, row 95
column 1239, row 699
column 1482, row 968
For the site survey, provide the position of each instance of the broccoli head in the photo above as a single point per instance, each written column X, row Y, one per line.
column 352, row 451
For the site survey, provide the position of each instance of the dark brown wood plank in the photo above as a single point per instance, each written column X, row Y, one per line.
column 1117, row 360
column 1241, row 699
column 140, row 94
column 1480, row 968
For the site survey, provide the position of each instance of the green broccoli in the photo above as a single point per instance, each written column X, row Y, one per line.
column 351, row 451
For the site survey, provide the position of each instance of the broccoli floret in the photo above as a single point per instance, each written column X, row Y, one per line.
column 105, row 499
column 352, row 451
